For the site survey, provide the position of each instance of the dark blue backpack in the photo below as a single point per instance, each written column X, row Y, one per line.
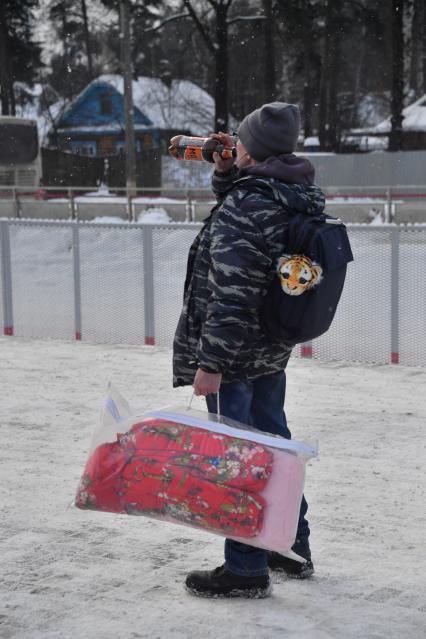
column 301, row 301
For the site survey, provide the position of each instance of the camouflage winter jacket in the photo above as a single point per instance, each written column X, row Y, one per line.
column 230, row 267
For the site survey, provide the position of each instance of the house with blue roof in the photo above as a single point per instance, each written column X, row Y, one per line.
column 94, row 124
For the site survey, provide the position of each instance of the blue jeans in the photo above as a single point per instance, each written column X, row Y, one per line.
column 259, row 403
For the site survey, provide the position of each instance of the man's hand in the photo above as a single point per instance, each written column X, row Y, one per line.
column 206, row 383
column 222, row 166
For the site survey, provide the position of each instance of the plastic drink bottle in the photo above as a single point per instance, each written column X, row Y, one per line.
column 185, row 147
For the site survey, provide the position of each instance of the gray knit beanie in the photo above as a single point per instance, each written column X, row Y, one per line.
column 270, row 130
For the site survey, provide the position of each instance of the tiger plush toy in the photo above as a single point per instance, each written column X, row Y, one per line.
column 298, row 274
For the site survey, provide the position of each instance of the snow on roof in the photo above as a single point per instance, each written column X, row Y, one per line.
column 311, row 141
column 183, row 105
column 414, row 118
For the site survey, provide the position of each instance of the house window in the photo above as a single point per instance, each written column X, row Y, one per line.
column 120, row 146
column 106, row 105
column 85, row 147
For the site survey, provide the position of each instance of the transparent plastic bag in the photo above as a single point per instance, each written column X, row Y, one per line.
column 198, row 469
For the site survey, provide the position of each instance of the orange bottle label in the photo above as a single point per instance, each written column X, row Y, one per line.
column 193, row 153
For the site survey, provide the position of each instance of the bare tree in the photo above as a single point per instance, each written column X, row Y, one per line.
column 328, row 111
column 307, row 57
column 6, row 82
column 397, row 102
column 270, row 88
column 87, row 38
column 218, row 48
column 417, row 64
column 423, row 48
column 301, row 32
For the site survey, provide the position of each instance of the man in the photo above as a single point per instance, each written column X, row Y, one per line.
column 220, row 345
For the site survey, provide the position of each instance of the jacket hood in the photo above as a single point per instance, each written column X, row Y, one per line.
column 293, row 196
column 286, row 167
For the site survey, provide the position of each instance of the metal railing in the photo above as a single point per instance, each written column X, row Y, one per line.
column 386, row 199
column 70, row 195
column 122, row 283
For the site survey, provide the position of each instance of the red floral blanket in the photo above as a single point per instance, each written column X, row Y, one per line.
column 195, row 476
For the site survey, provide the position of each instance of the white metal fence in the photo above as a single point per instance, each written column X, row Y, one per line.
column 380, row 168
column 123, row 284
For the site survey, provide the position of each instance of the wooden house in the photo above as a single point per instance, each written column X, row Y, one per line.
column 93, row 124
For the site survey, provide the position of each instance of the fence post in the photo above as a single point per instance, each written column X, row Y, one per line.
column 130, row 207
column 395, row 239
column 306, row 350
column 148, row 285
column 189, row 212
column 77, row 281
column 388, row 206
column 16, row 203
column 6, row 278
column 72, row 203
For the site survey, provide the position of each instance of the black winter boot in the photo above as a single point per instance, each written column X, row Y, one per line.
column 292, row 568
column 220, row 582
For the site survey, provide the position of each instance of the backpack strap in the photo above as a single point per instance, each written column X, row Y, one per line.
column 301, row 233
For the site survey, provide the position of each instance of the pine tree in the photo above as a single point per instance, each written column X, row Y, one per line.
column 417, row 76
column 84, row 44
column 69, row 73
column 19, row 55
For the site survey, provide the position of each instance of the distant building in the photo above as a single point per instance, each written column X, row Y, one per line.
column 83, row 140
column 413, row 126
column 177, row 106
column 93, row 124
column 413, row 131
column 311, row 144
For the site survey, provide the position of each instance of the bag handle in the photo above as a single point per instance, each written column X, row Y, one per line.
column 218, row 415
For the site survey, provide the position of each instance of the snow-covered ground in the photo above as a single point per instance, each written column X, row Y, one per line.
column 68, row 574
